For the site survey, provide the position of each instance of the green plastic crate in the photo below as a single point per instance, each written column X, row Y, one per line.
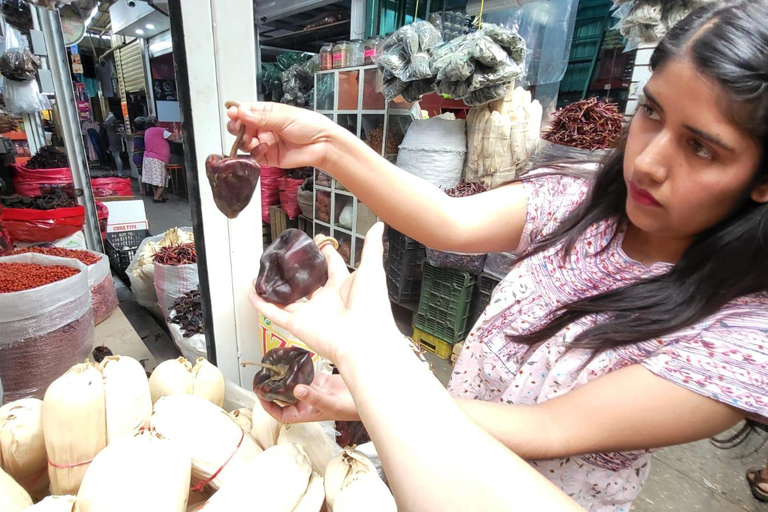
column 444, row 303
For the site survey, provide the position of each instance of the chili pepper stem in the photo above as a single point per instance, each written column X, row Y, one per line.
column 240, row 134
column 278, row 373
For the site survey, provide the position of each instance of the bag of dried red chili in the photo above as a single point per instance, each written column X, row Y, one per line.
column 175, row 274
column 46, row 323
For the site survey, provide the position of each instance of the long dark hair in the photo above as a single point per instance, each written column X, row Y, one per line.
column 730, row 46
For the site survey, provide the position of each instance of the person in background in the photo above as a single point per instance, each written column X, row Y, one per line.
column 115, row 142
column 139, row 125
column 637, row 314
column 157, row 152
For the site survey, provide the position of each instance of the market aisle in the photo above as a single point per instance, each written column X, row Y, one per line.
column 164, row 216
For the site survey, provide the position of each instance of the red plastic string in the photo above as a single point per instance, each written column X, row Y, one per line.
column 69, row 466
column 203, row 483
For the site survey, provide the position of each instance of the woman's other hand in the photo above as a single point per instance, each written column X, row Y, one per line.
column 327, row 398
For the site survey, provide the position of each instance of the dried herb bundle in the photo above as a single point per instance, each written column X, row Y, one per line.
column 587, row 124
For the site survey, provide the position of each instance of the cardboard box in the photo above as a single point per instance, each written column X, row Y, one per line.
column 273, row 336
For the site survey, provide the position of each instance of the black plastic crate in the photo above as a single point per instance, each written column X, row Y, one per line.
column 121, row 247
column 486, row 283
column 404, row 267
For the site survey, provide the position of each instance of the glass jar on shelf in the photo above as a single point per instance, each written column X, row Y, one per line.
column 341, row 55
column 326, row 57
column 371, row 44
column 356, row 52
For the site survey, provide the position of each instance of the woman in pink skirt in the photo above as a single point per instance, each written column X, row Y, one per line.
column 157, row 152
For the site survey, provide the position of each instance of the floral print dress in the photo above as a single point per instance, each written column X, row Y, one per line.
column 724, row 357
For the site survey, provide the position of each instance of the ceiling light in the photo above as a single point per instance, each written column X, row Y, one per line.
column 139, row 31
column 150, row 26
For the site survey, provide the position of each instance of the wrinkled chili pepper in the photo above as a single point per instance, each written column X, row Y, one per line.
column 233, row 179
column 588, row 124
column 292, row 267
column 283, row 368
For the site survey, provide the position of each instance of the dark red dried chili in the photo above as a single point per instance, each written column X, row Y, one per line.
column 175, row 255
column 587, row 124
column 283, row 368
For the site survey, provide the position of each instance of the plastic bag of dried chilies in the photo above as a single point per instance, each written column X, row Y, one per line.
column 472, row 263
column 18, row 14
column 46, row 323
column 187, row 325
column 175, row 274
column 103, row 294
column 19, row 66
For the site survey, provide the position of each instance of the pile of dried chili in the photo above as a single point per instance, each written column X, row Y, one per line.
column 17, row 277
column 587, row 124
column 189, row 314
column 85, row 257
column 175, row 255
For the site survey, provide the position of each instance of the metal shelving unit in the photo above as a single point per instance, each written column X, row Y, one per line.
column 349, row 97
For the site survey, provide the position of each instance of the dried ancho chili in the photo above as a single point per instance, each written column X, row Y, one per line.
column 233, row 179
column 101, row 352
column 292, row 267
column 283, row 369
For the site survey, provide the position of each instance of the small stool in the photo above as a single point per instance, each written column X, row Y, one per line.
column 172, row 169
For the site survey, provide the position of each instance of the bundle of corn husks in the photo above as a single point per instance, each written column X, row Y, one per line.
column 352, row 483
column 54, row 504
column 279, row 477
column 179, row 377
column 22, row 445
column 87, row 408
column 219, row 448
column 501, row 136
column 13, row 497
column 144, row 472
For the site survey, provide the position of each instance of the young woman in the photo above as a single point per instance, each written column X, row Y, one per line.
column 638, row 317
column 157, row 152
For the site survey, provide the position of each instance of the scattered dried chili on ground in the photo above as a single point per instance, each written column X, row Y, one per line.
column 587, row 124
column 85, row 257
column 16, row 277
column 183, row 254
